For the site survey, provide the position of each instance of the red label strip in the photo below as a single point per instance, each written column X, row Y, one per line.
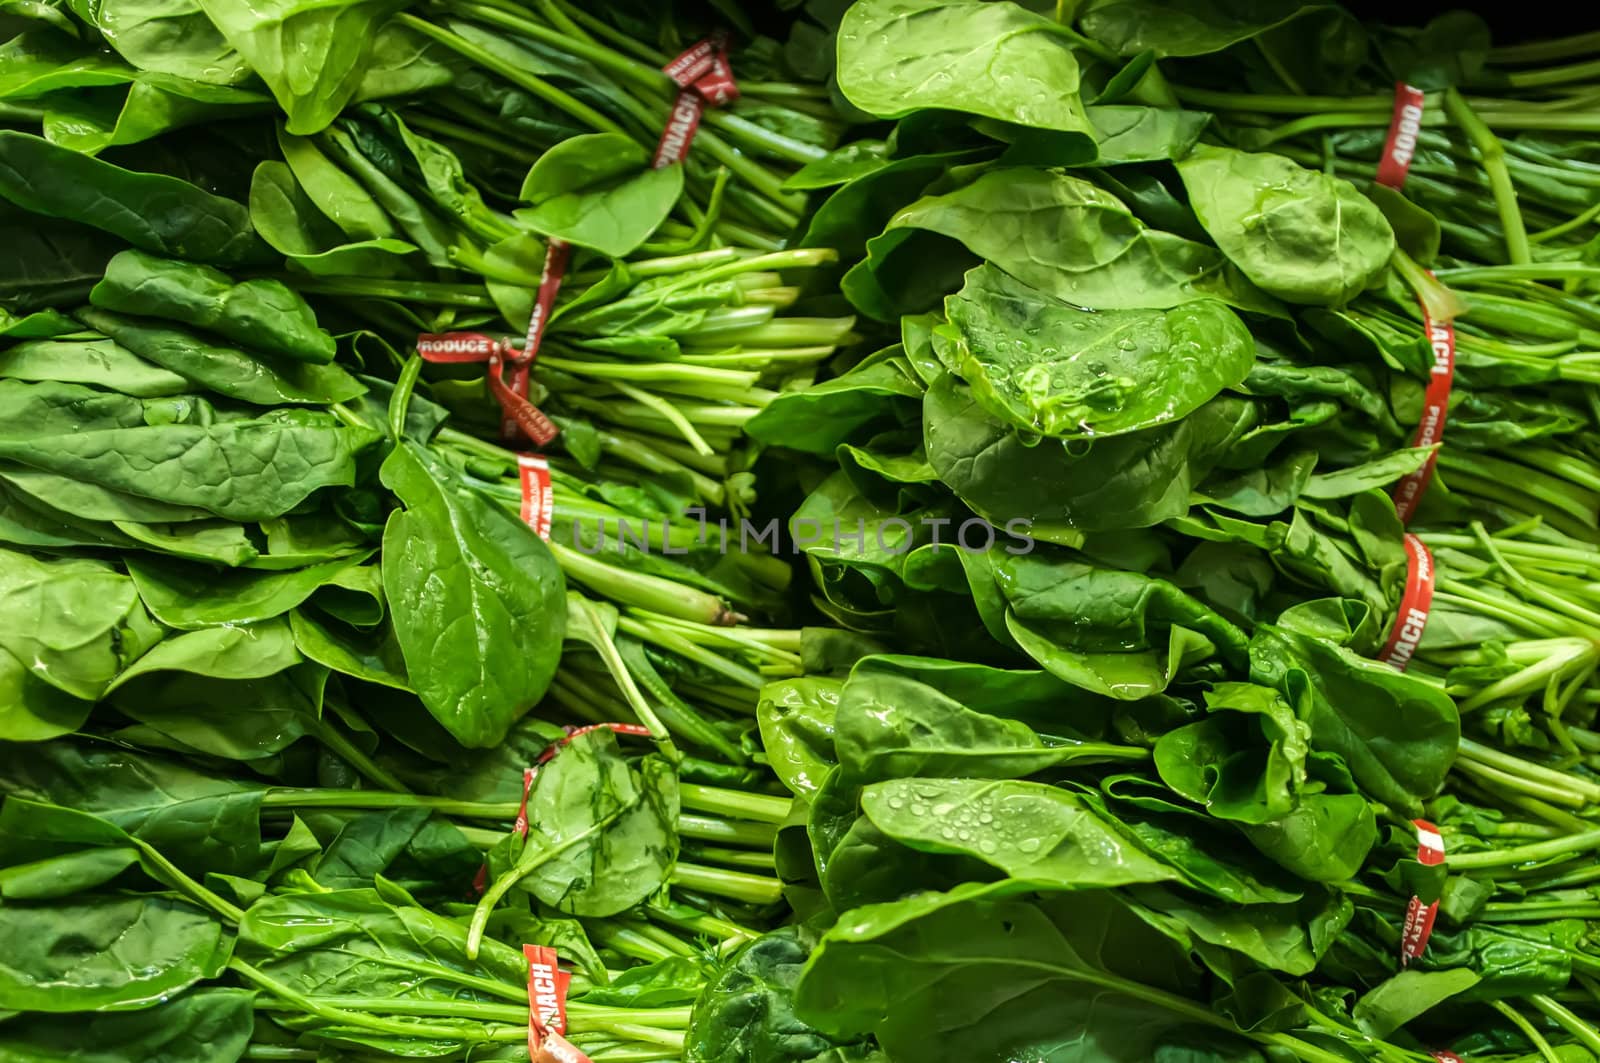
column 456, row 347
column 1401, row 143
column 1446, row 1057
column 547, row 992
column 547, row 1008
column 537, row 498
column 1414, row 605
column 1435, row 408
column 515, row 409
column 528, row 418
column 555, row 747
column 557, row 253
column 1419, row 917
column 704, row 77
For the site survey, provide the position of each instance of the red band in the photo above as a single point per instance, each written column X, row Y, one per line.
column 682, row 124
column 1401, row 143
column 1446, row 1057
column 557, row 254
column 1412, row 618
column 1430, row 843
column 547, row 995
column 703, row 77
column 537, row 499
column 456, row 347
column 574, row 732
column 524, row 415
column 1435, row 408
column 1418, row 926
column 696, row 60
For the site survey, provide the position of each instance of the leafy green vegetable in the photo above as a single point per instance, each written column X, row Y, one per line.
column 464, row 578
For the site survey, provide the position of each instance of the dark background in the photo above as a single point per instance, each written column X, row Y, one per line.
column 1511, row 20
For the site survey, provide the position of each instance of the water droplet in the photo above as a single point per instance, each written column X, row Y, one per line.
column 964, row 835
column 1126, row 344
column 897, row 803
column 1029, row 845
column 918, row 808
column 986, row 817
column 948, row 833
column 943, row 808
column 987, row 845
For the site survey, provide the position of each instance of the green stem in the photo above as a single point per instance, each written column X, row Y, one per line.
column 1581, row 1031
column 1554, row 75
column 1494, row 164
column 1544, row 51
column 642, row 589
column 340, row 1017
column 735, row 885
column 513, row 73
column 1527, row 769
column 735, row 803
column 726, row 831
column 1526, row 854
column 173, row 876
column 341, row 746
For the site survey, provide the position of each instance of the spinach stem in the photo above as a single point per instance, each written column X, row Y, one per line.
column 736, row 803
column 1526, row 854
column 513, row 73
column 1493, row 157
column 737, row 885
column 1584, row 1033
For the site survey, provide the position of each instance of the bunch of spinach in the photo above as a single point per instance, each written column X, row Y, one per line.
column 1187, row 363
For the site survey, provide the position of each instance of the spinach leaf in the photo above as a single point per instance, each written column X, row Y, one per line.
column 1055, row 490
column 599, row 191
column 105, row 953
column 311, row 55
column 746, row 1014
column 1045, row 365
column 1406, row 996
column 998, row 60
column 796, row 717
column 360, row 942
column 824, row 415
column 102, row 363
column 1037, row 834
column 1064, row 236
column 287, row 219
column 202, row 822
column 996, row 978
column 186, row 596
column 169, row 37
column 152, row 211
column 1397, row 733
column 202, row 1026
column 1185, row 27
column 75, row 623
column 264, row 314
column 1245, row 761
column 892, row 726
column 1129, row 134
column 602, row 835
column 241, row 470
column 227, row 371
column 839, row 166
column 479, row 604
column 1302, row 235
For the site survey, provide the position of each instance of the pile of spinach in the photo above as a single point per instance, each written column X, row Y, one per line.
column 1170, row 330
column 193, row 914
column 282, row 642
